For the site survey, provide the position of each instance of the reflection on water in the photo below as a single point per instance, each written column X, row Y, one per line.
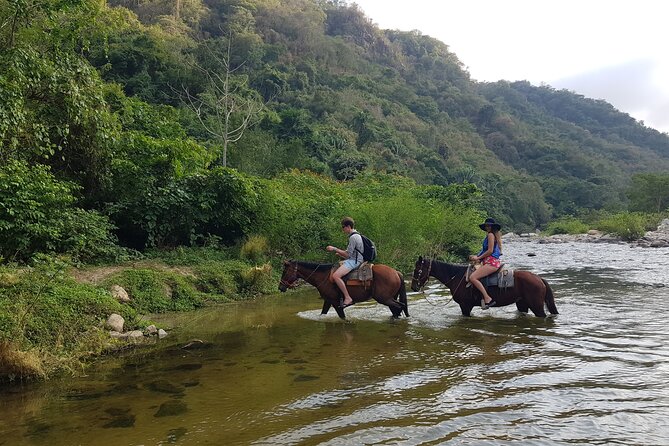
column 274, row 371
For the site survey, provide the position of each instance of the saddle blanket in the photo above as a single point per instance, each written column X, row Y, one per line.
column 503, row 279
column 362, row 275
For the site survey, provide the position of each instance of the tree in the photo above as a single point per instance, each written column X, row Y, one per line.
column 649, row 192
column 227, row 106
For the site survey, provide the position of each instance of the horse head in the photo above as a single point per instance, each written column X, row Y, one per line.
column 421, row 273
column 289, row 275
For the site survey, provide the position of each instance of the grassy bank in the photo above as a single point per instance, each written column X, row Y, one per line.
column 52, row 314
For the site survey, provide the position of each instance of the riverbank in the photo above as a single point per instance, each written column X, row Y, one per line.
column 56, row 318
column 658, row 238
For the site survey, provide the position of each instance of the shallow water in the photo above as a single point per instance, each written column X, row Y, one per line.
column 274, row 371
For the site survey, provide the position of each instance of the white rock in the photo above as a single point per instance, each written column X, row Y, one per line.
column 151, row 329
column 161, row 333
column 115, row 322
column 120, row 294
column 135, row 334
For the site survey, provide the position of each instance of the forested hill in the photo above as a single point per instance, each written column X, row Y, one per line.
column 323, row 89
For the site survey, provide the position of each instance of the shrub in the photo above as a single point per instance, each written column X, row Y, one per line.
column 191, row 255
column 626, row 225
column 219, row 278
column 258, row 279
column 157, row 291
column 48, row 322
column 566, row 225
column 37, row 214
column 234, row 279
column 255, row 249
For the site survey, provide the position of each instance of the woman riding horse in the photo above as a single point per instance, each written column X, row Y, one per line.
column 528, row 292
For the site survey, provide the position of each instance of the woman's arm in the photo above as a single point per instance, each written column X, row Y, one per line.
column 491, row 247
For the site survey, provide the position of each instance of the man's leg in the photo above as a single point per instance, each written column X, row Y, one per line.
column 337, row 276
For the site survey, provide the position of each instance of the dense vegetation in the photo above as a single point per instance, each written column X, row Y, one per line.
column 226, row 135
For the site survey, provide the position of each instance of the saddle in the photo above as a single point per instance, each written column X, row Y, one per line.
column 502, row 278
column 361, row 276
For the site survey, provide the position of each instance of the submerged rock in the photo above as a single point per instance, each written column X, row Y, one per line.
column 175, row 434
column 164, row 386
column 121, row 421
column 171, row 408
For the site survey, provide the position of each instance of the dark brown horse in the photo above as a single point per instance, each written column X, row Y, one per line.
column 387, row 286
column 529, row 291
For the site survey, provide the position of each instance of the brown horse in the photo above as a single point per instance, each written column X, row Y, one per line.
column 529, row 291
column 387, row 287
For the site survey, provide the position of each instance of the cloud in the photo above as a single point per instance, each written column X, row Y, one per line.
column 630, row 87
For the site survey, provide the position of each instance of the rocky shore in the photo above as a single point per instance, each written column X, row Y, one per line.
column 652, row 239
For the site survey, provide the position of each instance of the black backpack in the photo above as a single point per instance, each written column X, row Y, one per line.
column 368, row 248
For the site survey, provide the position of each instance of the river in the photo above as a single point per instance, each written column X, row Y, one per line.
column 273, row 371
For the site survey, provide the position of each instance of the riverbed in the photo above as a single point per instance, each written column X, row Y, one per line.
column 274, row 371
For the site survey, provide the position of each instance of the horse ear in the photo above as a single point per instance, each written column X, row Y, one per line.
column 286, row 262
column 420, row 258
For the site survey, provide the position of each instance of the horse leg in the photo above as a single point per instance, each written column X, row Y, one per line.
column 403, row 297
column 340, row 312
column 394, row 306
column 326, row 307
column 397, row 312
column 522, row 306
column 466, row 310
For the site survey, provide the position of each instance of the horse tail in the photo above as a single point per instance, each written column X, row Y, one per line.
column 403, row 295
column 550, row 298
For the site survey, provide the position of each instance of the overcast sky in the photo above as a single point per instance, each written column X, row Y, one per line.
column 613, row 50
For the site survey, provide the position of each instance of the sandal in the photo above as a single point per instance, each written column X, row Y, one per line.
column 485, row 306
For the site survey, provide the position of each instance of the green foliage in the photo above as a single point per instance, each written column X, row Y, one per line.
column 52, row 110
column 385, row 208
column 192, row 255
column 255, row 249
column 234, row 279
column 300, row 212
column 649, row 192
column 42, row 310
column 153, row 291
column 566, row 225
column 38, row 214
column 626, row 225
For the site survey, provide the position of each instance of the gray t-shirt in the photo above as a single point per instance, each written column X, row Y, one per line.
column 355, row 247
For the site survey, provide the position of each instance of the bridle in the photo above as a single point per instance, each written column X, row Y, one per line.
column 429, row 270
column 420, row 274
column 293, row 284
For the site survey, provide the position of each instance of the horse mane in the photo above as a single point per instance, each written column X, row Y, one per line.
column 454, row 267
column 315, row 266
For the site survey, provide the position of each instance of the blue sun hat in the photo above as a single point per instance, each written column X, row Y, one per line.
column 492, row 223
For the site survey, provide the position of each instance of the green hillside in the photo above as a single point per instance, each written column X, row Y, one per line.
column 120, row 97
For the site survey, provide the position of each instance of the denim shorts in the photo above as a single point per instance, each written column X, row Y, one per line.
column 351, row 264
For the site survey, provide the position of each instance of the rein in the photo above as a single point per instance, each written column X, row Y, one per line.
column 420, row 273
column 429, row 270
column 294, row 283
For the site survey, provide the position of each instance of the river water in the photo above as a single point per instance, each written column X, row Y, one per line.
column 273, row 371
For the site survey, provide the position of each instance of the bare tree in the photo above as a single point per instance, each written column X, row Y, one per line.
column 228, row 106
